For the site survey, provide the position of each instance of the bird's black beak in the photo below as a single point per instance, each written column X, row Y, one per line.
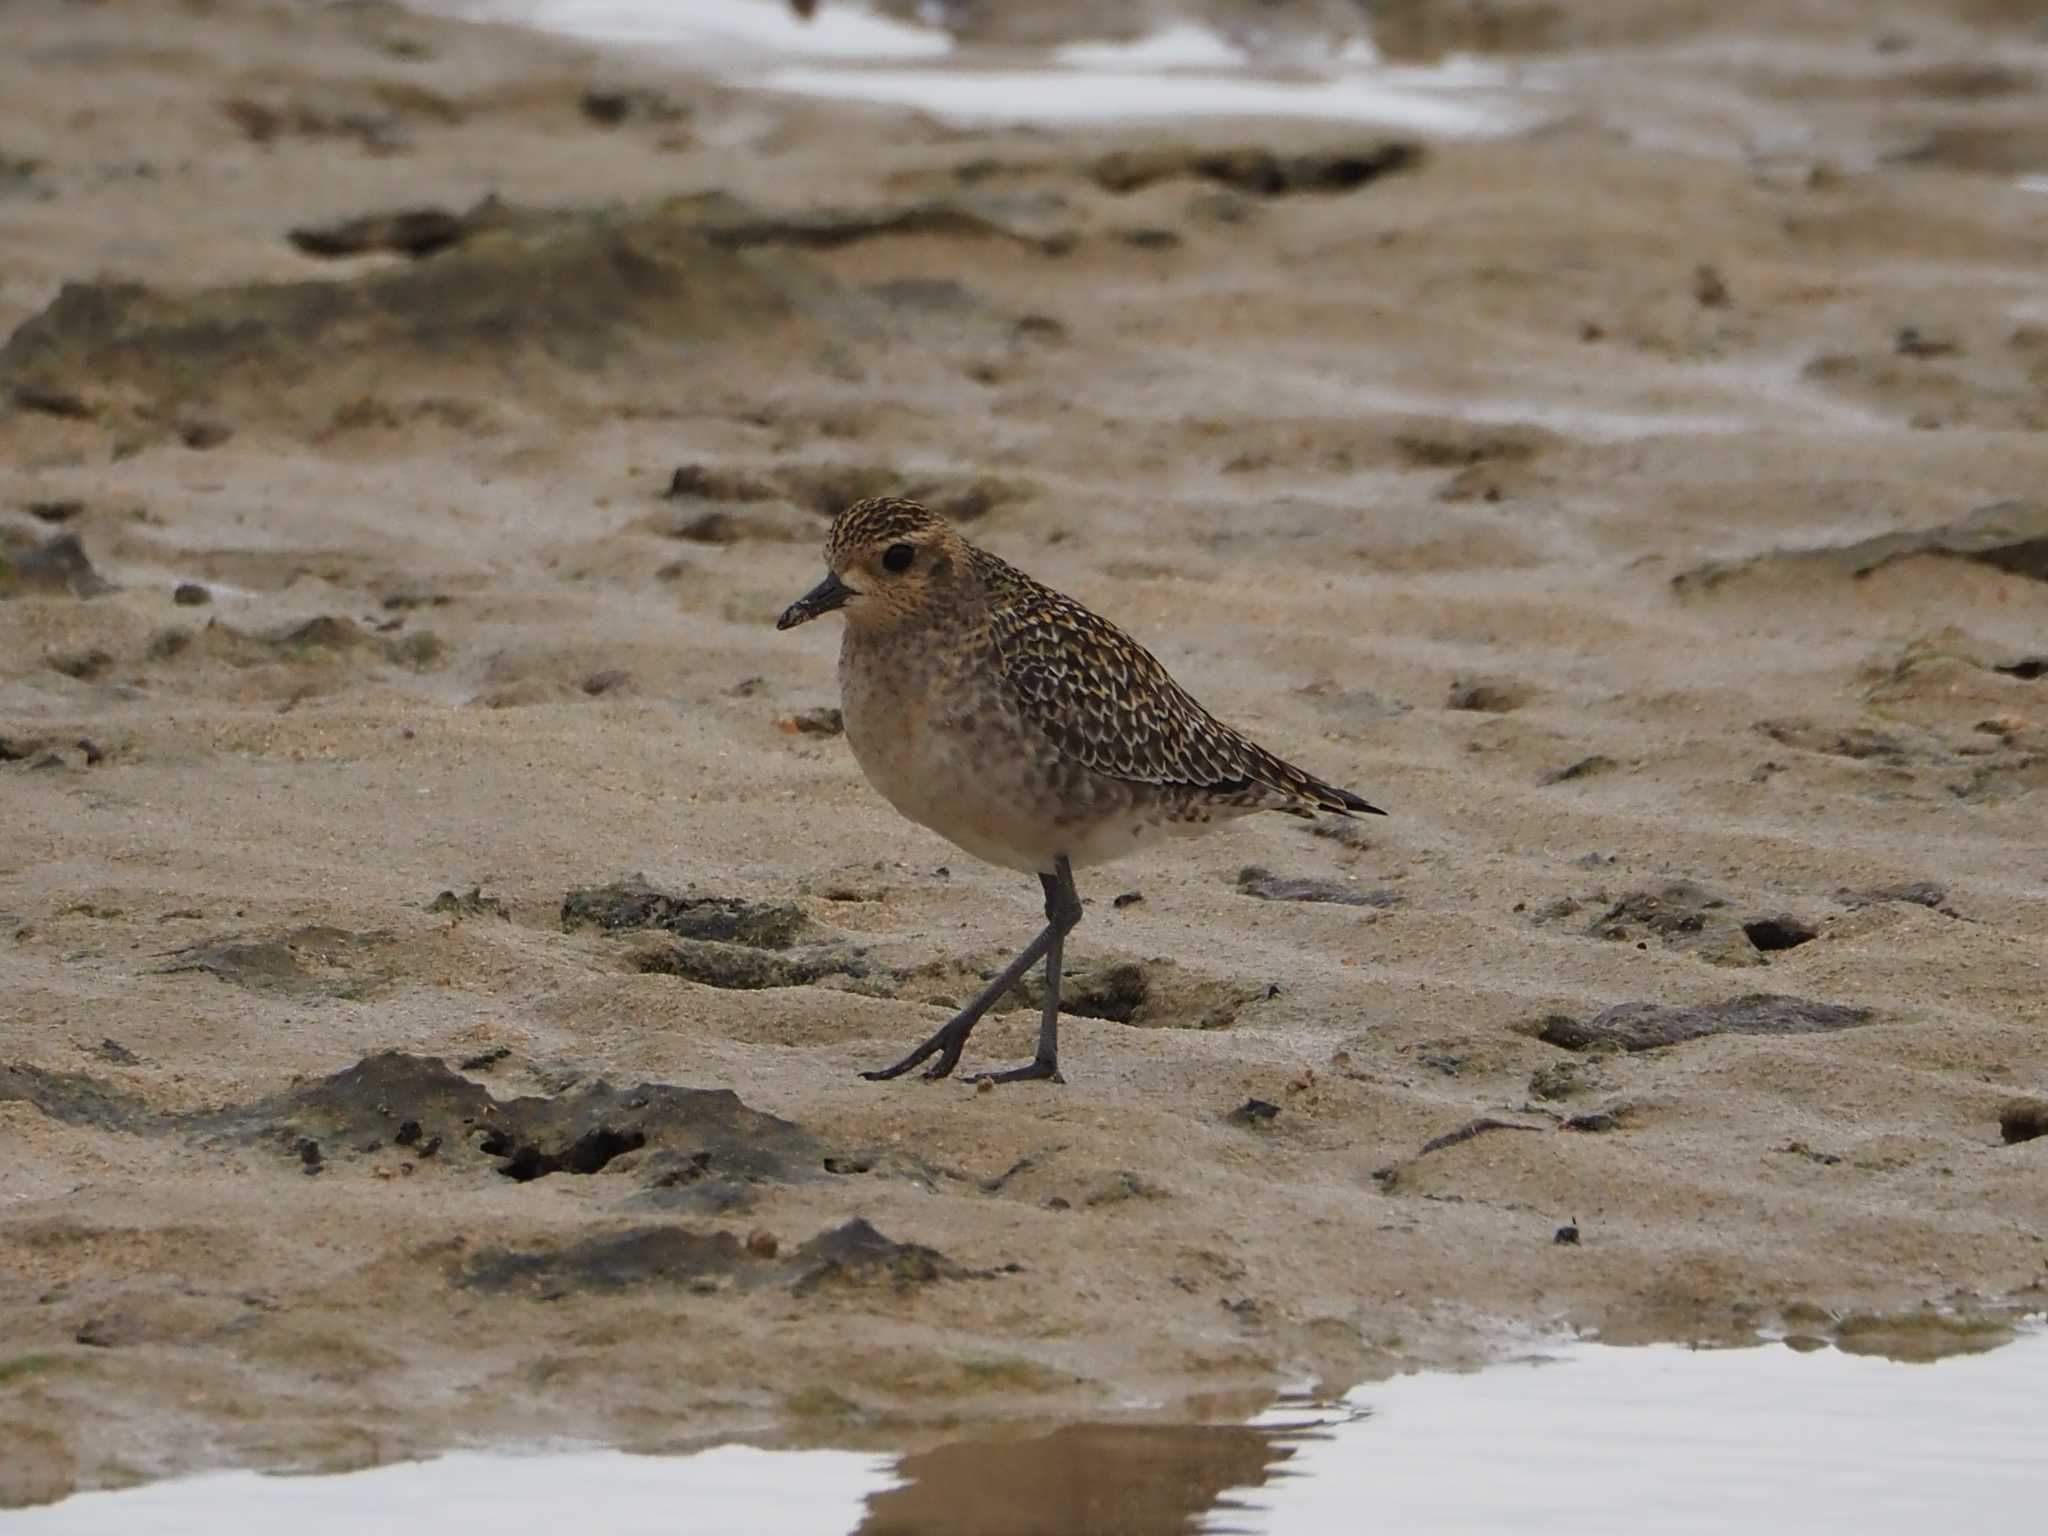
column 823, row 598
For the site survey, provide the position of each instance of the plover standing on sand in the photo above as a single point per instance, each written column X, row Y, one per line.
column 1018, row 725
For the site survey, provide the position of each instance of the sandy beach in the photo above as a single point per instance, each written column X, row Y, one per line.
column 440, row 927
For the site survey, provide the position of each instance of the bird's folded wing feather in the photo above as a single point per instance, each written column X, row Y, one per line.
column 1107, row 703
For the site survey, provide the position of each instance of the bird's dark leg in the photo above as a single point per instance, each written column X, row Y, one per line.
column 1062, row 911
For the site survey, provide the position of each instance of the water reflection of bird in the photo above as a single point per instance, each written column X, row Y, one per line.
column 1132, row 1479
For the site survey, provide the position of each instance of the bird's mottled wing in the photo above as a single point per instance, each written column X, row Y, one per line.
column 1103, row 699
column 1107, row 703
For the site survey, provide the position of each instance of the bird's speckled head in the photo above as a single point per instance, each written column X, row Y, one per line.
column 889, row 561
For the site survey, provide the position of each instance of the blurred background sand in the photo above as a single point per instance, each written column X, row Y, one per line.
column 1520, row 477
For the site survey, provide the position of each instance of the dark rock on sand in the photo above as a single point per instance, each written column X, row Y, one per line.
column 311, row 962
column 1564, row 1079
column 850, row 1255
column 623, row 1261
column 1115, row 992
column 418, row 1103
column 1687, row 916
column 826, row 720
column 1683, row 916
column 57, row 566
column 1254, row 169
column 1676, row 910
column 1916, row 893
column 631, row 104
column 1155, row 994
column 85, row 665
column 1390, row 1178
column 1253, row 1113
column 856, row 1254
column 633, row 903
column 743, row 968
column 2011, row 535
column 737, row 227
column 1596, row 1122
column 582, row 290
column 472, row 903
column 1255, row 880
column 1651, row 1026
column 827, row 489
column 713, row 483
column 1860, row 743
column 1582, row 768
column 413, row 232
column 76, row 1099
column 1470, row 1129
column 1490, row 696
column 317, row 641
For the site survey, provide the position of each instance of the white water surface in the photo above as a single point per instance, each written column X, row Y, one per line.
column 1586, row 1440
column 1602, row 1441
column 709, row 28
column 1185, row 71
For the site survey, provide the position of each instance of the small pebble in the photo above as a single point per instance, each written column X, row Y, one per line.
column 189, row 594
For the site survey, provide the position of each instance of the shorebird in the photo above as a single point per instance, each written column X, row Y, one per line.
column 1024, row 729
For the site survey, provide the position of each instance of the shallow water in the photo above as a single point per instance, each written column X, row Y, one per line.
column 1185, row 71
column 1422, row 101
column 1583, row 1439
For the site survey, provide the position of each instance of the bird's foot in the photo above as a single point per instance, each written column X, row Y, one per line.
column 946, row 1045
column 1039, row 1070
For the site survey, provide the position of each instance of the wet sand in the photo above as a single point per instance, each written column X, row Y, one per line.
column 1520, row 486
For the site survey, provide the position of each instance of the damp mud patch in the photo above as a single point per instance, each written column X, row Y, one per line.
column 1256, row 170
column 1151, row 994
column 633, row 903
column 2008, row 535
column 1256, row 880
column 73, row 1098
column 498, row 290
column 311, row 962
column 715, row 941
column 57, row 566
column 852, row 1255
column 698, row 1148
column 1689, row 918
column 1652, row 1026
column 738, row 968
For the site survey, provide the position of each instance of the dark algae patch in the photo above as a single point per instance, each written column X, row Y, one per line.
column 419, row 1104
column 853, row 1254
column 1651, row 1026
column 633, row 903
column 698, row 1148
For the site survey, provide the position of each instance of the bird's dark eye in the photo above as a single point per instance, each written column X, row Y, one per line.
column 897, row 557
